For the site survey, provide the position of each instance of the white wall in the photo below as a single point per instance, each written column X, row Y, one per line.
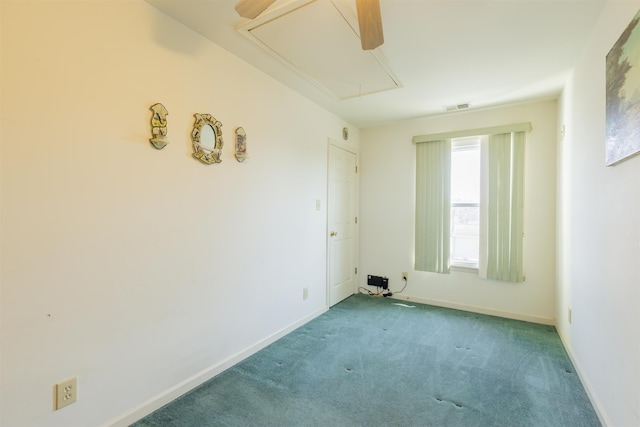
column 599, row 230
column 143, row 272
column 387, row 215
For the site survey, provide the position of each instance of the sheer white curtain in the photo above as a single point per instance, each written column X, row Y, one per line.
column 433, row 206
column 502, row 249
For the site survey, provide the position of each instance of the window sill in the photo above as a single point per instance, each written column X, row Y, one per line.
column 465, row 268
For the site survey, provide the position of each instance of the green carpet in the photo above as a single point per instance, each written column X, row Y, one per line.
column 373, row 361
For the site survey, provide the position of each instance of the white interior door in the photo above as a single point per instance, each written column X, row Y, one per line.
column 342, row 202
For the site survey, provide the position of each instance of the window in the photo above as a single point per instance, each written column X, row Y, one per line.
column 465, row 202
column 469, row 201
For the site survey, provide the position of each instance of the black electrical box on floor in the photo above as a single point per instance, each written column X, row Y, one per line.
column 378, row 281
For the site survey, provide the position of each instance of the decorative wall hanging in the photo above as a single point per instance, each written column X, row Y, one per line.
column 241, row 144
column 623, row 104
column 207, row 139
column 159, row 126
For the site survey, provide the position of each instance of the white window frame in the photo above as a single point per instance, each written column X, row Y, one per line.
column 461, row 144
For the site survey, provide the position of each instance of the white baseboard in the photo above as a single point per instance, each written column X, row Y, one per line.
column 201, row 377
column 474, row 309
column 602, row 416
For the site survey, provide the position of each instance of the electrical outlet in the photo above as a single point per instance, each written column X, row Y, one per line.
column 569, row 314
column 405, row 276
column 66, row 393
column 305, row 293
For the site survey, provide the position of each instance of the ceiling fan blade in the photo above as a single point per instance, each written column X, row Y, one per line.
column 370, row 23
column 252, row 8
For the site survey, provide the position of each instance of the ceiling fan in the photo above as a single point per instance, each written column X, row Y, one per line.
column 369, row 19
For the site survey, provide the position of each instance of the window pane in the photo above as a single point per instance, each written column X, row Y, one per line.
column 465, row 234
column 465, row 202
column 465, row 175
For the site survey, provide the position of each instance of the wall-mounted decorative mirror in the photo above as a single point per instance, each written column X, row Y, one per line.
column 159, row 126
column 207, row 139
column 241, row 144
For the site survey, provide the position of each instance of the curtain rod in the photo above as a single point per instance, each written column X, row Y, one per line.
column 517, row 127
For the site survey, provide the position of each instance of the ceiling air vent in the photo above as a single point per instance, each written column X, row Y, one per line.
column 456, row 107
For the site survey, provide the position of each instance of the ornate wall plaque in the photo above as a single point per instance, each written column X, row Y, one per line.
column 159, row 126
column 241, row 144
column 207, row 139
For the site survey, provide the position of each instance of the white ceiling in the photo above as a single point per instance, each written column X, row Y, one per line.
column 440, row 52
column 343, row 69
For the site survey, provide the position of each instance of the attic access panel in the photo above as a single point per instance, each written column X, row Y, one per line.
column 319, row 40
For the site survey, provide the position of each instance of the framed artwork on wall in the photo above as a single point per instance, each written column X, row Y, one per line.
column 623, row 96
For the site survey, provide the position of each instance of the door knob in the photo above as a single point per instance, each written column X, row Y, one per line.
column 334, row 233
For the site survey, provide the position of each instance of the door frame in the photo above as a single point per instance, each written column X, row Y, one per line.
column 335, row 144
